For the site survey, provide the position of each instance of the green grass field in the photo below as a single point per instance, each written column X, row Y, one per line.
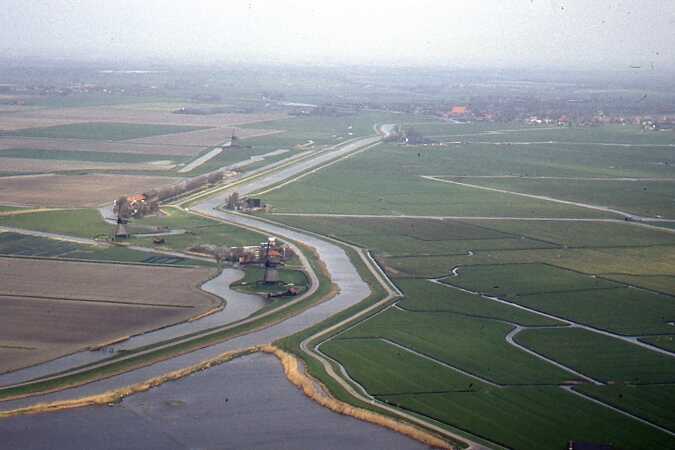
column 533, row 418
column 23, row 245
column 647, row 198
column 230, row 156
column 76, row 222
column 601, row 357
column 660, row 283
column 108, row 131
column 332, row 129
column 576, row 270
column 583, row 234
column 624, row 311
column 13, row 244
column 654, row 403
column 4, row 208
column 402, row 237
column 474, row 345
column 425, row 296
column 65, row 155
column 287, row 277
column 199, row 230
column 665, row 342
column 637, row 261
column 511, row 280
column 387, row 181
column 384, row 369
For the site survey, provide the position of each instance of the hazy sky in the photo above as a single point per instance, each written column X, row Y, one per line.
column 501, row 33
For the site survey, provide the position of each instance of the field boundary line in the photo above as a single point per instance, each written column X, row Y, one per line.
column 617, row 410
column 536, row 197
column 628, row 339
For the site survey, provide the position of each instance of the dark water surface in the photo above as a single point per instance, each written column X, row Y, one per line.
column 244, row 404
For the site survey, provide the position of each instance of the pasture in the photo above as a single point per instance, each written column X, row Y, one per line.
column 515, row 280
column 625, row 310
column 474, row 345
column 600, row 357
column 613, row 275
column 532, row 418
column 386, row 180
column 635, row 261
column 103, row 131
column 251, row 282
column 653, row 402
column 391, row 236
column 73, row 222
column 151, row 151
column 198, row 231
column 429, row 297
column 646, row 197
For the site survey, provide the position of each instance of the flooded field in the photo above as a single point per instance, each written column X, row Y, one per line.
column 246, row 403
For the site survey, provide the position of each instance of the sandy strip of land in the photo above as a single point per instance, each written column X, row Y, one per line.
column 55, row 165
column 76, row 190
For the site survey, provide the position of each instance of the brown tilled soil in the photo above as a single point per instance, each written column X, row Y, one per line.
column 76, row 190
column 52, row 308
column 62, row 116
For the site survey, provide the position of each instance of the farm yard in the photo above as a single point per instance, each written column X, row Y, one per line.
column 516, row 310
column 43, row 319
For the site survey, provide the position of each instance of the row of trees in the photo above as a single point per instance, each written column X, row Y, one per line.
column 153, row 197
column 188, row 185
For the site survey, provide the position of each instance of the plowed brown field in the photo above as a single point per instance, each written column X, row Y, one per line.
column 76, row 190
column 53, row 308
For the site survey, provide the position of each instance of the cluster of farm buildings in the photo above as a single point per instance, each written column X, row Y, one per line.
column 139, row 205
column 272, row 251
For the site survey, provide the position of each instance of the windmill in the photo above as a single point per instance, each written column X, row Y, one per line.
column 120, row 230
column 272, row 263
column 234, row 140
